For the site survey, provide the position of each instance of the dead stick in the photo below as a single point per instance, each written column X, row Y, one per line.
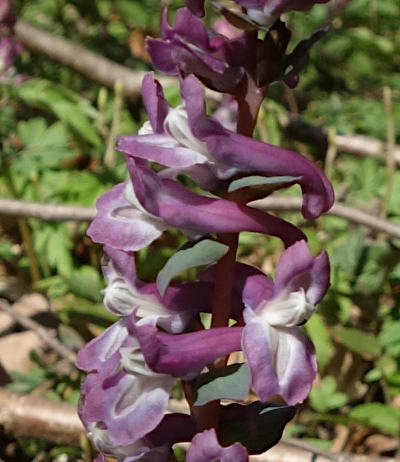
column 358, row 145
column 78, row 58
column 41, row 332
column 18, row 208
column 107, row 73
column 30, row 416
column 355, row 216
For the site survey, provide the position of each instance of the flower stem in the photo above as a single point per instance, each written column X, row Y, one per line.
column 224, row 281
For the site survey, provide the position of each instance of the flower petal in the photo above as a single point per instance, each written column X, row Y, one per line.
column 232, row 149
column 184, row 354
column 299, row 270
column 249, row 283
column 122, row 225
column 92, row 356
column 156, row 105
column 160, row 148
column 128, row 405
column 185, row 210
column 281, row 361
column 206, row 448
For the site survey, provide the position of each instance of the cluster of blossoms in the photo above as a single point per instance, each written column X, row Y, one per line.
column 9, row 48
column 132, row 367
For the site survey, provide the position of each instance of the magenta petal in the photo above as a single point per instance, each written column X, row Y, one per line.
column 233, row 150
column 250, row 283
column 183, row 354
column 196, row 6
column 130, row 406
column 101, row 348
column 185, row 210
column 320, row 279
column 161, row 56
column 295, row 260
column 121, row 225
column 122, row 263
column 297, row 268
column 206, row 448
column 156, row 105
column 160, row 148
column 281, row 360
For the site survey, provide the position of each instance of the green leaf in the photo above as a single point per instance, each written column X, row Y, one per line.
column 58, row 248
column 348, row 254
column 257, row 426
column 268, row 183
column 319, row 334
column 325, row 397
column 378, row 415
column 67, row 105
column 72, row 115
column 390, row 334
column 230, row 382
column 202, row 253
column 358, row 341
column 86, row 282
column 31, row 131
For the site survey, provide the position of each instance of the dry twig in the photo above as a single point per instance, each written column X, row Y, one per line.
column 34, row 417
column 29, row 416
column 57, row 212
column 107, row 73
column 41, row 331
column 78, row 58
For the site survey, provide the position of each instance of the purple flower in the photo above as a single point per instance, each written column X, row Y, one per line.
column 206, row 448
column 125, row 294
column 9, row 50
column 280, row 357
column 7, row 16
column 188, row 141
column 265, row 12
column 190, row 48
column 133, row 214
column 121, row 394
column 184, row 355
column 262, row 12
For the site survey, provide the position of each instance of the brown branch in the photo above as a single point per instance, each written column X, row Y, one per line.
column 78, row 58
column 359, row 145
column 355, row 216
column 17, row 208
column 29, row 416
column 108, row 73
column 40, row 331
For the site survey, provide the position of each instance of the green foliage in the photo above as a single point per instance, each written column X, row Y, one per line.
column 54, row 129
column 378, row 415
column 324, row 398
column 202, row 253
column 230, row 382
column 358, row 341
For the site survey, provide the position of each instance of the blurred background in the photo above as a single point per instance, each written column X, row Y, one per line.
column 58, row 121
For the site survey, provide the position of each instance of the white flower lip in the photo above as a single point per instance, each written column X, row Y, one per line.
column 287, row 310
column 176, row 124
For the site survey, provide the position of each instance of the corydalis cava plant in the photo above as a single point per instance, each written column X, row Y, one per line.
column 159, row 339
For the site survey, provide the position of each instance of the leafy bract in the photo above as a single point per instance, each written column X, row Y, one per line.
column 262, row 182
column 231, row 382
column 202, row 253
column 257, row 426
